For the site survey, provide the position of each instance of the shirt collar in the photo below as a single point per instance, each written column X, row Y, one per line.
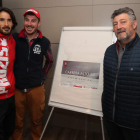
column 130, row 44
column 31, row 39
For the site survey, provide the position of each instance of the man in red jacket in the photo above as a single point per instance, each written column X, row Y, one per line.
column 7, row 80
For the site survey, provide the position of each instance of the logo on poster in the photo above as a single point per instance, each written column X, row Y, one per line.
column 65, row 63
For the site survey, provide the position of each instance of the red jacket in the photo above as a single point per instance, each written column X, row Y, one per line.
column 7, row 57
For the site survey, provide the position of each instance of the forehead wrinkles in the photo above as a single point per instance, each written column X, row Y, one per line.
column 119, row 20
column 5, row 15
column 122, row 16
column 30, row 17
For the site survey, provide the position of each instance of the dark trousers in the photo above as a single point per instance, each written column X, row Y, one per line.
column 7, row 117
column 116, row 132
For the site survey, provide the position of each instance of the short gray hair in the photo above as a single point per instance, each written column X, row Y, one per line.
column 126, row 10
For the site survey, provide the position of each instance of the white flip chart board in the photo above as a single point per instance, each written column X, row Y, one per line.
column 80, row 48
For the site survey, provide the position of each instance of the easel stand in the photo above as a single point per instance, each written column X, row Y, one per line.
column 46, row 123
column 85, row 126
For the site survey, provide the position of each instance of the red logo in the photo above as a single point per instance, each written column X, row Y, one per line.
column 65, row 64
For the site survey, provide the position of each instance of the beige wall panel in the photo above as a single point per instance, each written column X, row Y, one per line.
column 53, row 19
column 19, row 17
column 95, row 2
column 44, row 3
column 102, row 14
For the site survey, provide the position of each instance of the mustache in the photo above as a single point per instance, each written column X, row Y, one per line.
column 6, row 27
column 29, row 26
column 121, row 30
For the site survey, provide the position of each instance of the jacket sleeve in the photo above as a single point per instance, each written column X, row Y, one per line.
column 48, row 61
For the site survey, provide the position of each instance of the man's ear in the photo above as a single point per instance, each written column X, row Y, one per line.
column 134, row 24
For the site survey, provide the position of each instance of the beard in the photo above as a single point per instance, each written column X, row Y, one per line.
column 2, row 31
column 126, row 36
column 28, row 33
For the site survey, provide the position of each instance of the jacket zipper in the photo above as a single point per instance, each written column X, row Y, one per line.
column 116, row 85
column 8, row 63
column 115, row 93
column 28, row 58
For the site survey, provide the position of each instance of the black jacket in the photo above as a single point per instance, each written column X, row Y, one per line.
column 121, row 93
column 28, row 68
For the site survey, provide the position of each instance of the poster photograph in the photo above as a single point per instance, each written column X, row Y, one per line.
column 84, row 75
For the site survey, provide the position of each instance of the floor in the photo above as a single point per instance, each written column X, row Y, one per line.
column 57, row 133
column 54, row 133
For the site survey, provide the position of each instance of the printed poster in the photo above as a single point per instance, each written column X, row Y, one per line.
column 84, row 75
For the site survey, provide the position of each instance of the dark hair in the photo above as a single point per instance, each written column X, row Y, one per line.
column 32, row 14
column 11, row 15
column 126, row 10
